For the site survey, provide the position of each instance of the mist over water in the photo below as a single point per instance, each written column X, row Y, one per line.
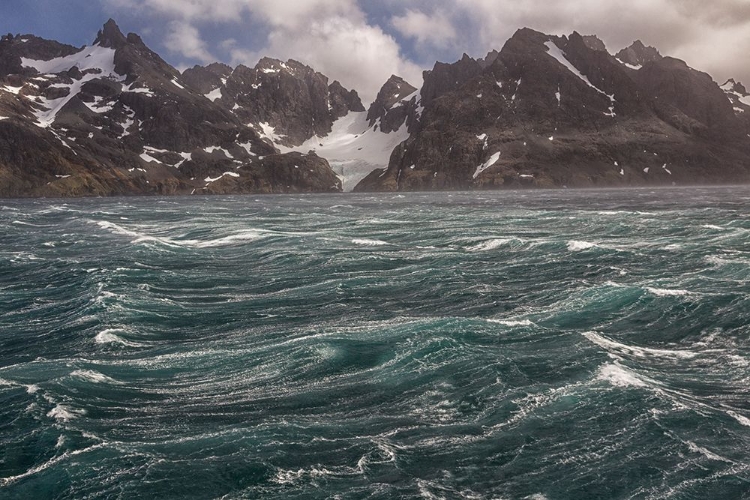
column 539, row 344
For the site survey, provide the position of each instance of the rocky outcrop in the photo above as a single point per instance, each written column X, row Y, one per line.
column 205, row 79
column 289, row 173
column 444, row 78
column 114, row 119
column 393, row 105
column 593, row 42
column 638, row 54
column 287, row 102
column 553, row 111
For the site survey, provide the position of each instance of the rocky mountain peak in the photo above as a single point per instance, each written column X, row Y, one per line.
column 734, row 86
column 594, row 43
column 110, row 36
column 638, row 54
column 388, row 106
column 490, row 58
column 205, row 79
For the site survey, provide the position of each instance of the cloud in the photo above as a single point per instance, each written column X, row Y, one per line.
column 436, row 29
column 361, row 43
column 332, row 36
column 184, row 39
column 711, row 36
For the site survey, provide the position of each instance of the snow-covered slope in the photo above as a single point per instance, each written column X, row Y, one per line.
column 353, row 148
column 94, row 61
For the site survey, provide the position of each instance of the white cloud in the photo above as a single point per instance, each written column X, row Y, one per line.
column 338, row 39
column 184, row 39
column 332, row 36
column 360, row 56
column 436, row 29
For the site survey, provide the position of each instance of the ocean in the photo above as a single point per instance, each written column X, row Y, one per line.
column 509, row 345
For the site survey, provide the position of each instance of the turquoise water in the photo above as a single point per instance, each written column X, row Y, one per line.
column 546, row 344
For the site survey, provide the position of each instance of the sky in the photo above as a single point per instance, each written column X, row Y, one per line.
column 362, row 42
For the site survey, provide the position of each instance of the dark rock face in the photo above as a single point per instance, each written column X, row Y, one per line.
column 739, row 98
column 638, row 54
column 445, row 78
column 205, row 79
column 553, row 111
column 687, row 99
column 116, row 119
column 593, row 42
column 289, row 173
column 393, row 105
column 292, row 99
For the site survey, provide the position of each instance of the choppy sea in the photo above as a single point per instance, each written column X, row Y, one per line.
column 507, row 345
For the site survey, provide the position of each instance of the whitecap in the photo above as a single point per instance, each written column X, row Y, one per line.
column 248, row 235
column 489, row 245
column 664, row 292
column 138, row 237
column 369, row 242
column 512, row 322
column 108, row 336
column 643, row 352
column 39, row 468
column 63, row 413
column 739, row 418
column 93, row 376
column 578, row 246
column 707, row 453
column 619, row 376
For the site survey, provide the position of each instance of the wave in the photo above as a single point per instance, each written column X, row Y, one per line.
column 619, row 376
column 739, row 418
column 108, row 336
column 579, row 246
column 490, row 245
column 664, row 292
column 93, row 376
column 64, row 413
column 244, row 235
column 46, row 465
column 643, row 352
column 30, row 388
column 512, row 322
column 369, row 242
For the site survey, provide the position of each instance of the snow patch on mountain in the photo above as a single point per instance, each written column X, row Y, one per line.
column 353, row 149
column 484, row 166
column 94, row 61
column 214, row 94
column 89, row 58
column 554, row 51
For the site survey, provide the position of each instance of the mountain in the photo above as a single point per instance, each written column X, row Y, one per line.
column 287, row 102
column 114, row 118
column 554, row 111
